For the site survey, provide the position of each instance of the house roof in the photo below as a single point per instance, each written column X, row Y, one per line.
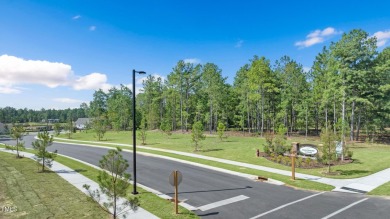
column 2, row 126
column 83, row 121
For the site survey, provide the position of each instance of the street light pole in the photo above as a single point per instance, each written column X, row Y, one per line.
column 134, row 136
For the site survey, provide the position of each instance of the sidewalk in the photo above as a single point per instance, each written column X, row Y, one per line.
column 78, row 180
column 355, row 185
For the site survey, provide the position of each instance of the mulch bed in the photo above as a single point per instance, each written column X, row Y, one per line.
column 307, row 165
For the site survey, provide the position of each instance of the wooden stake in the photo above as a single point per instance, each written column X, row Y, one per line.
column 293, row 167
column 293, row 154
column 176, row 193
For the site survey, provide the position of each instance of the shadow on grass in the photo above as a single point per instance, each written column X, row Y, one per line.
column 359, row 147
column 351, row 172
column 214, row 149
column 356, row 161
column 147, row 144
column 229, row 141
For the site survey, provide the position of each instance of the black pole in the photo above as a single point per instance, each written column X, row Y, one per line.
column 134, row 141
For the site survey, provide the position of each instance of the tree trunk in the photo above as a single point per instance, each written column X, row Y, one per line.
column 211, row 117
column 292, row 118
column 358, row 127
column 326, row 117
column 187, row 108
column 262, row 113
column 317, row 118
column 343, row 127
column 248, row 121
column 307, row 109
column 334, row 115
column 43, row 163
column 181, row 104
column 257, row 117
column 352, row 119
column 174, row 113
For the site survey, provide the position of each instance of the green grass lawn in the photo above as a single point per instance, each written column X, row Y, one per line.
column 149, row 201
column 40, row 195
column 299, row 183
column 368, row 158
column 160, row 207
column 383, row 190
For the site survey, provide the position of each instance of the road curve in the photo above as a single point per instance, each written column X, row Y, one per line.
column 221, row 195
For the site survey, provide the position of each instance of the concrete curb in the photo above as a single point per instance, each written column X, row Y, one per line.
column 354, row 185
column 244, row 175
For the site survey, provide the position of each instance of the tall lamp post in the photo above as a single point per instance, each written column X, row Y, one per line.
column 134, row 135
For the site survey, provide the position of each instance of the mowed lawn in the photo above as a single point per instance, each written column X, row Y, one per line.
column 368, row 158
column 40, row 195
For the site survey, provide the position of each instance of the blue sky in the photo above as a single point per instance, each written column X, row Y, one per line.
column 54, row 54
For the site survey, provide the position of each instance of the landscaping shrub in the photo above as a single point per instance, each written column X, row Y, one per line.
column 299, row 161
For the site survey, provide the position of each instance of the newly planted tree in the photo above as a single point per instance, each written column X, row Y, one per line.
column 17, row 133
column 328, row 138
column 69, row 128
column 98, row 111
column 197, row 134
column 166, row 127
column 43, row 156
column 142, row 131
column 221, row 130
column 57, row 129
column 99, row 125
column 113, row 182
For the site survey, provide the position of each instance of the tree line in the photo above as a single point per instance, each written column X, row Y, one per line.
column 346, row 90
column 12, row 115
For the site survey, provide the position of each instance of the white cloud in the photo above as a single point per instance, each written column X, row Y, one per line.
column 317, row 36
column 15, row 71
column 192, row 61
column 67, row 100
column 382, row 37
column 306, row 69
column 239, row 44
column 92, row 28
column 76, row 17
column 9, row 90
column 92, row 81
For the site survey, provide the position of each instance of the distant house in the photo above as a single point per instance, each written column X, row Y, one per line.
column 50, row 121
column 82, row 123
column 2, row 128
column 53, row 120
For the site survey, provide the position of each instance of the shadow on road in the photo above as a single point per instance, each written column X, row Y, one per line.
column 215, row 190
column 73, row 171
column 208, row 214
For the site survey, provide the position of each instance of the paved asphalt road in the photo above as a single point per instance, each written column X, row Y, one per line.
column 221, row 195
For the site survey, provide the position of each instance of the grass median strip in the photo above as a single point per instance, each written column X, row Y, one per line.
column 383, row 190
column 299, row 183
column 368, row 158
column 149, row 201
column 29, row 194
column 160, row 207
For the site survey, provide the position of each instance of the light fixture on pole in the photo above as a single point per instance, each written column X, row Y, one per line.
column 134, row 136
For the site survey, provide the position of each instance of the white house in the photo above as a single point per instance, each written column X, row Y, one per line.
column 82, row 123
column 2, row 128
